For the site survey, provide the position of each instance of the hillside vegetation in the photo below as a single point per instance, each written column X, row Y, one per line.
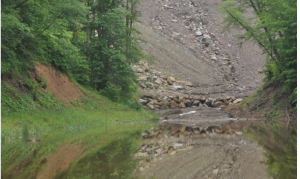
column 92, row 42
column 273, row 26
column 67, row 63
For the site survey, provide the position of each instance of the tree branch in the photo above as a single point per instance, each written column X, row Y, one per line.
column 36, row 34
column 248, row 30
column 20, row 5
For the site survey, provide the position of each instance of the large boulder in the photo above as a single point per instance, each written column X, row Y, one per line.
column 209, row 101
column 151, row 106
column 175, row 128
column 227, row 98
column 181, row 98
column 140, row 70
column 142, row 85
column 173, row 104
column 182, row 105
column 158, row 81
column 148, row 95
column 174, row 87
column 218, row 103
column 188, row 103
column 143, row 101
column 237, row 101
column 177, row 99
column 196, row 102
column 202, row 99
column 143, row 78
column 170, row 80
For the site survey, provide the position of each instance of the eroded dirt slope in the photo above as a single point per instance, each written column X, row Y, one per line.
column 58, row 84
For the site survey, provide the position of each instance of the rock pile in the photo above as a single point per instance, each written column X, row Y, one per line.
column 183, row 101
column 153, row 79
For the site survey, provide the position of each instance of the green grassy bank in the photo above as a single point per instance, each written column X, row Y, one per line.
column 91, row 124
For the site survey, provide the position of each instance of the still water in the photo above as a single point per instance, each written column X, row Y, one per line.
column 142, row 150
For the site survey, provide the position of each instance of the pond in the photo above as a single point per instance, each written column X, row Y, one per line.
column 141, row 150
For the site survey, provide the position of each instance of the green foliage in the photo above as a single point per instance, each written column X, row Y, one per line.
column 274, row 28
column 13, row 101
column 155, row 117
column 75, row 103
column 259, row 90
column 39, row 30
column 93, row 42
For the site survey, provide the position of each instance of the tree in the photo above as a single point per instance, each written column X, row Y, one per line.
column 39, row 30
column 273, row 26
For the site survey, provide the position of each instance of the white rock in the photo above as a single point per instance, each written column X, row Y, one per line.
column 237, row 101
column 207, row 36
column 174, row 87
column 198, row 33
column 213, row 57
column 142, row 101
column 177, row 145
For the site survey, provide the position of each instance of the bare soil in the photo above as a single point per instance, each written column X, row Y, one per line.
column 59, row 84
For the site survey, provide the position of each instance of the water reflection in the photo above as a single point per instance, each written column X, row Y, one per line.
column 280, row 147
column 111, row 161
column 211, row 150
column 59, row 152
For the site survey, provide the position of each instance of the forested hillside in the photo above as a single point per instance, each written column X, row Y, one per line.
column 91, row 41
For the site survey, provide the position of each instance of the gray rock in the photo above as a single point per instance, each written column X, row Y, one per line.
column 175, row 33
column 142, row 85
column 148, row 84
column 188, row 103
column 196, row 102
column 158, row 81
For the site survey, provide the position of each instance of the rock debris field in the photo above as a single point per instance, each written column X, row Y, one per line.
column 198, row 70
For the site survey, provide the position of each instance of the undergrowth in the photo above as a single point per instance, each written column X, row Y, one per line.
column 28, row 101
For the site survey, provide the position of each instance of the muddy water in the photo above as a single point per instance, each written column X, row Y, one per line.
column 145, row 150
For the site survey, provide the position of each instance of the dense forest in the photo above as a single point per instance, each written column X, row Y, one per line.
column 91, row 41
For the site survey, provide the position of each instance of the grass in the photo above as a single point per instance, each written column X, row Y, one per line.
column 46, row 113
column 92, row 112
column 92, row 123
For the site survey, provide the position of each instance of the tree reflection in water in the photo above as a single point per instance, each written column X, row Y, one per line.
column 111, row 161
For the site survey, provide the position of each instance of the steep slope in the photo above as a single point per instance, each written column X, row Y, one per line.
column 59, row 84
column 187, row 41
